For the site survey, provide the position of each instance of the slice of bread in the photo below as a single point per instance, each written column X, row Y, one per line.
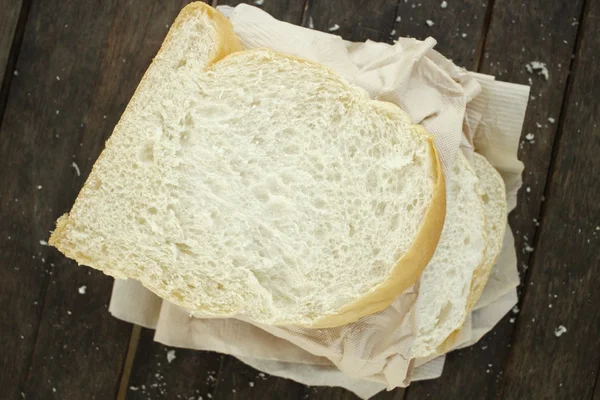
column 441, row 307
column 258, row 185
column 495, row 208
column 493, row 197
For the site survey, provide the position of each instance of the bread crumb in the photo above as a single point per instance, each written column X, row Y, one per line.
column 538, row 67
column 134, row 388
column 170, row 356
column 259, row 2
column 69, row 312
column 512, row 320
column 334, row 28
column 16, row 73
column 528, row 248
column 251, row 384
column 429, row 22
column 551, row 120
column 39, row 187
column 77, row 171
column 398, row 18
column 530, row 136
column 311, row 23
column 444, row 4
column 57, row 78
column 464, row 35
column 515, row 310
column 559, row 331
column 393, row 32
column 43, row 243
column 57, row 112
column 82, row 289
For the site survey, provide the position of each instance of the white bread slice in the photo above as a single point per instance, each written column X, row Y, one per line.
column 258, row 185
column 495, row 208
column 441, row 307
column 493, row 196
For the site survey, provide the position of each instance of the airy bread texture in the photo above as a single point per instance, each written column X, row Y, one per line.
column 495, row 208
column 258, row 185
column 441, row 306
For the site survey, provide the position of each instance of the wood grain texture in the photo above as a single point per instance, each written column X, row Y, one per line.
column 78, row 66
column 519, row 33
column 12, row 22
column 458, row 26
column 286, row 10
column 564, row 279
column 164, row 372
column 11, row 9
column 355, row 20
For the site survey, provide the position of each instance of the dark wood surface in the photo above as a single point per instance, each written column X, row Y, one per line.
column 77, row 65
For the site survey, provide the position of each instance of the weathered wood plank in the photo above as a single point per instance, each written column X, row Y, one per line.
column 9, row 18
column 286, row 10
column 564, row 280
column 163, row 372
column 519, row 33
column 238, row 381
column 458, row 26
column 356, row 20
column 78, row 66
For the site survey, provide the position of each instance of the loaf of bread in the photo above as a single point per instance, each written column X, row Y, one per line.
column 254, row 184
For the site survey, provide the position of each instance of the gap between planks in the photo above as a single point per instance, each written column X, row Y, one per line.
column 480, row 49
column 134, row 340
column 13, row 55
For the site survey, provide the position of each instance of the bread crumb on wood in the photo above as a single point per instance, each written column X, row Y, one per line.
column 530, row 136
column 539, row 68
column 398, row 18
column 76, row 168
column 82, row 289
column 170, row 356
column 444, row 4
column 334, row 28
column 43, row 243
column 259, row 2
column 551, row 120
column 311, row 23
column 560, row 330
column 429, row 22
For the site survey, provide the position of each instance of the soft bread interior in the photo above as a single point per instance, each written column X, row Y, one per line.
column 256, row 184
column 441, row 306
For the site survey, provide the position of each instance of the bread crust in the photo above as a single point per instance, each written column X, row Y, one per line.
column 406, row 271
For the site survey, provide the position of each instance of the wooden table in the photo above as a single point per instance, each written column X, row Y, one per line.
column 69, row 68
